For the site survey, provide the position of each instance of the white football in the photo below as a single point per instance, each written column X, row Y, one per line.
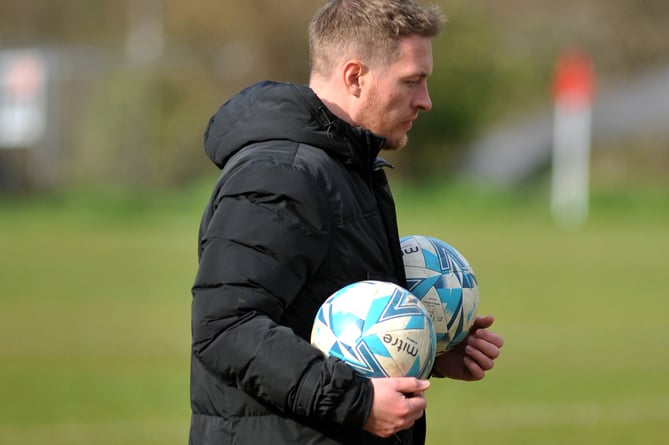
column 443, row 280
column 377, row 328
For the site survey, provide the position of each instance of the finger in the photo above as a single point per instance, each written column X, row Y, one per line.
column 417, row 407
column 484, row 336
column 483, row 322
column 486, row 342
column 417, row 403
column 484, row 361
column 475, row 371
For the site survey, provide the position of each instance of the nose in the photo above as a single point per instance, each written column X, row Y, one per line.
column 422, row 100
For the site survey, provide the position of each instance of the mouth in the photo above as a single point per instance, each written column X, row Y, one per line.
column 410, row 121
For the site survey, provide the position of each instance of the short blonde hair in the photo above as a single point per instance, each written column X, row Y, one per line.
column 366, row 29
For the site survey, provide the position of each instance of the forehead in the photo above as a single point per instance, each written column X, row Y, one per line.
column 413, row 56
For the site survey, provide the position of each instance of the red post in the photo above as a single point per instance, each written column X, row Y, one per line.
column 573, row 90
column 574, row 82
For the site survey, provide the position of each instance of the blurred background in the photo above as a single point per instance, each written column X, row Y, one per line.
column 103, row 179
column 121, row 91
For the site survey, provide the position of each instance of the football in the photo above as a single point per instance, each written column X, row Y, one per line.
column 377, row 328
column 443, row 280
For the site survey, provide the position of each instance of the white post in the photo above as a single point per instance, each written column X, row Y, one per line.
column 571, row 141
column 23, row 98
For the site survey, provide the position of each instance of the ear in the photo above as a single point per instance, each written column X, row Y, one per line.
column 354, row 70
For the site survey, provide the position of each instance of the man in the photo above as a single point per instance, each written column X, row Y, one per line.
column 301, row 209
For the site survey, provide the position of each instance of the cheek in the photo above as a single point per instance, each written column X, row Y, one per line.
column 398, row 104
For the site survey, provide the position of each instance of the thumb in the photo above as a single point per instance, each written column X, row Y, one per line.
column 410, row 385
column 483, row 322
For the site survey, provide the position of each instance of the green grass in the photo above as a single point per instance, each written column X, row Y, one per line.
column 95, row 306
column 583, row 314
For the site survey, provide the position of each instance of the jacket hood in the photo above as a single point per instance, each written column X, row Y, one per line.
column 282, row 111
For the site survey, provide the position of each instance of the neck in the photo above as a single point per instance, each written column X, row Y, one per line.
column 332, row 98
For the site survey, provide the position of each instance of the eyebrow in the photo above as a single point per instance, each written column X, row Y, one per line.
column 420, row 75
column 424, row 74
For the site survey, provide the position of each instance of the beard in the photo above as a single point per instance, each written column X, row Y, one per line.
column 376, row 118
column 396, row 144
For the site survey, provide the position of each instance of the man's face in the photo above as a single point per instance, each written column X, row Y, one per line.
column 396, row 93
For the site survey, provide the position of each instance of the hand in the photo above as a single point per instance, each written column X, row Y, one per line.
column 398, row 403
column 472, row 357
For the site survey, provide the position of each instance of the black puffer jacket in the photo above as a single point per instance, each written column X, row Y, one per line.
column 301, row 209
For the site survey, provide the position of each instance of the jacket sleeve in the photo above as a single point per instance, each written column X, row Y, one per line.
column 267, row 232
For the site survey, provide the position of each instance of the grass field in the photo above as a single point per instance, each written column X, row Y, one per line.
column 95, row 301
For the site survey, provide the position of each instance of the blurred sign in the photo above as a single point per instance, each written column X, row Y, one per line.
column 23, row 98
column 573, row 89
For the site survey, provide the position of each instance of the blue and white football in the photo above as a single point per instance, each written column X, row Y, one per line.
column 445, row 283
column 377, row 328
